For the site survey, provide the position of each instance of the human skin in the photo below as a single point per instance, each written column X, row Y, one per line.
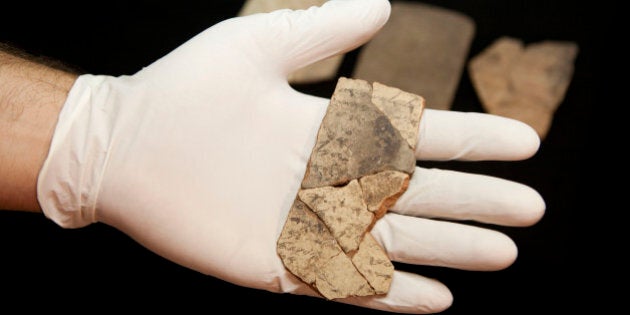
column 31, row 97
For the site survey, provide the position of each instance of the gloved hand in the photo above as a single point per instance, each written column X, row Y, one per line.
column 199, row 156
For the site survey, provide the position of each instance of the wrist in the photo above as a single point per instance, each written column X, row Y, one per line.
column 31, row 96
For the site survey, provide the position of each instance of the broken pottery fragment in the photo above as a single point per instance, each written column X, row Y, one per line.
column 381, row 190
column 403, row 110
column 360, row 165
column 422, row 49
column 356, row 139
column 339, row 278
column 305, row 244
column 374, row 265
column 490, row 71
column 322, row 70
column 343, row 211
column 527, row 83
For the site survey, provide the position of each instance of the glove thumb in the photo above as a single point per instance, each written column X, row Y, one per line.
column 294, row 39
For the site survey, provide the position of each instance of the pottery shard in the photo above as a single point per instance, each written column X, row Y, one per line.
column 403, row 110
column 490, row 71
column 360, row 165
column 343, row 211
column 422, row 49
column 339, row 278
column 355, row 139
column 381, row 190
column 310, row 252
column 305, row 244
column 322, row 70
column 523, row 82
column 374, row 265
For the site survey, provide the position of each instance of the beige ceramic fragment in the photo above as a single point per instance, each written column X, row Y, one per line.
column 305, row 245
column 524, row 82
column 381, row 190
column 403, row 110
column 320, row 71
column 339, row 278
column 360, row 165
column 355, row 139
column 343, row 211
column 422, row 49
column 490, row 71
column 374, row 265
column 544, row 71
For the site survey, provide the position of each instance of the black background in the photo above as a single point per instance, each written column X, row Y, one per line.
column 42, row 264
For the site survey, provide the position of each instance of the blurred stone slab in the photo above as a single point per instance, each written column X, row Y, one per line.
column 527, row 83
column 422, row 49
column 320, row 71
column 264, row 6
column 361, row 163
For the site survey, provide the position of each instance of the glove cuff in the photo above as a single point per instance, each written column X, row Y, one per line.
column 69, row 180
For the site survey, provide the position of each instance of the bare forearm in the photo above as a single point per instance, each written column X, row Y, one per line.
column 31, row 96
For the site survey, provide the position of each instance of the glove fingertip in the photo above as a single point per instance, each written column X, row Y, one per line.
column 499, row 252
column 410, row 294
column 528, row 141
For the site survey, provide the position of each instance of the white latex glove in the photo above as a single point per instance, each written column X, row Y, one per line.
column 199, row 156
